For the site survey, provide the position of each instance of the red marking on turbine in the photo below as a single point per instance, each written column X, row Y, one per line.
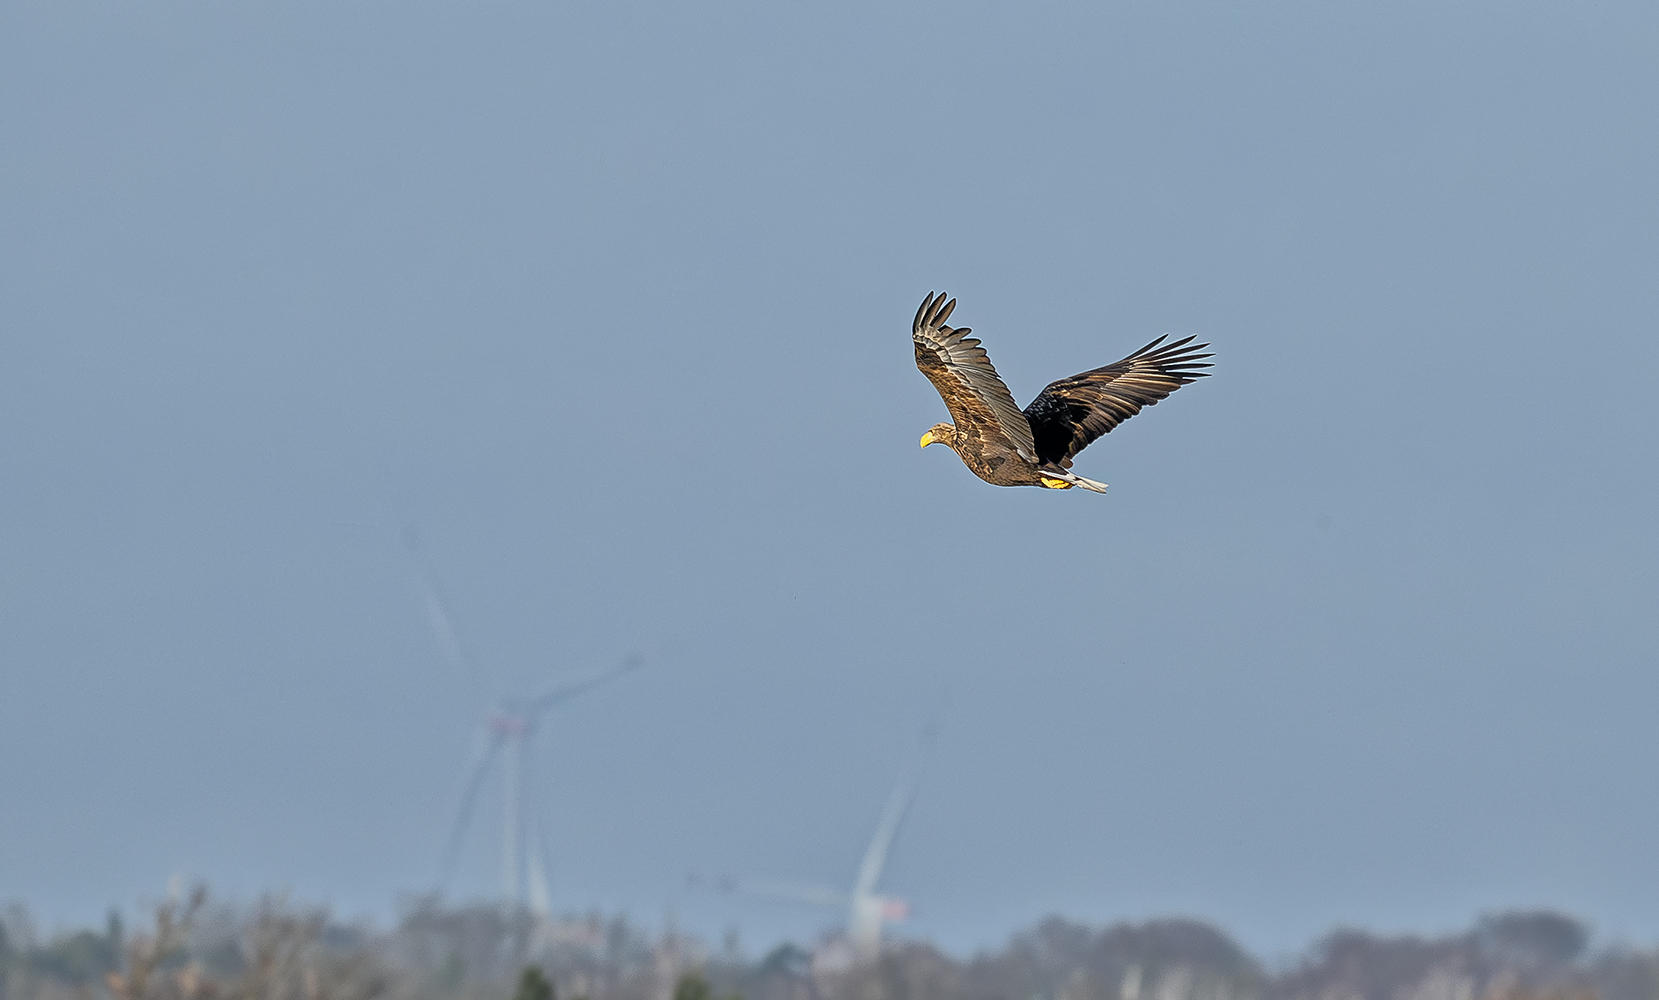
column 507, row 724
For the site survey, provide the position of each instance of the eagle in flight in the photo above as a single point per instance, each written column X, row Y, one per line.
column 1007, row 446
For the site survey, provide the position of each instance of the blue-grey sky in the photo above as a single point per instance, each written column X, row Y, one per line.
column 611, row 299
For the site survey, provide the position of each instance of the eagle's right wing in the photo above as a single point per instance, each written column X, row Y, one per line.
column 980, row 404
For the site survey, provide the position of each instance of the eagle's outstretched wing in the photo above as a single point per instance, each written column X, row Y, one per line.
column 980, row 405
column 1072, row 412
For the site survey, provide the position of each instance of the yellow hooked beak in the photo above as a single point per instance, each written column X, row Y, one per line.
column 927, row 439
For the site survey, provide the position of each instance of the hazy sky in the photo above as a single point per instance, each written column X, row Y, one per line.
column 612, row 300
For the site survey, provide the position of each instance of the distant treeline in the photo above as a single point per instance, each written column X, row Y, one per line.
column 194, row 949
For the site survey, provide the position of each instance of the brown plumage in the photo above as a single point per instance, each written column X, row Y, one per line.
column 1006, row 446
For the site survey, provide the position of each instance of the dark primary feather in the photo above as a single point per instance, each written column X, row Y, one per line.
column 981, row 406
column 1072, row 412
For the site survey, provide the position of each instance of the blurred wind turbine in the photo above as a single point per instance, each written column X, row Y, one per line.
column 868, row 911
column 507, row 731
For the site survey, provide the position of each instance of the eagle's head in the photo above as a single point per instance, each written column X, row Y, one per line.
column 944, row 434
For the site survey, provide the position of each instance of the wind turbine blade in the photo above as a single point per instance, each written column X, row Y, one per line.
column 443, row 630
column 928, row 737
column 483, row 754
column 930, row 731
column 793, row 892
column 567, row 691
column 875, row 856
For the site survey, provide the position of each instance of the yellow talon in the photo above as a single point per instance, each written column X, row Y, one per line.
column 1054, row 484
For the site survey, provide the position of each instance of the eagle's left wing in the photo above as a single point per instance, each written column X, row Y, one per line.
column 1072, row 412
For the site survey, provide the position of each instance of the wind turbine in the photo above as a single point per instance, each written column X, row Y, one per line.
column 507, row 732
column 868, row 911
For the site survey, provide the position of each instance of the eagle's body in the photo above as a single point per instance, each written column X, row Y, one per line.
column 1007, row 446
